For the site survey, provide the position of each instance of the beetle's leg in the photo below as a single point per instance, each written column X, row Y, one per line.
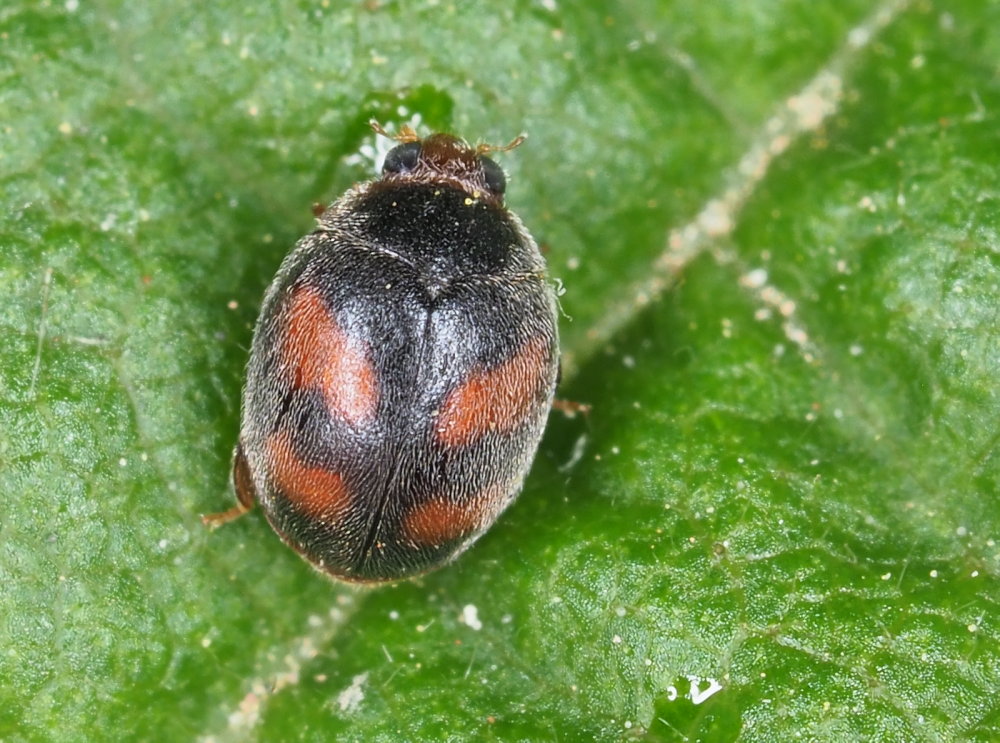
column 570, row 408
column 245, row 493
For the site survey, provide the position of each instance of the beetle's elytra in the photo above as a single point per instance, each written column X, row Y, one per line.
column 402, row 369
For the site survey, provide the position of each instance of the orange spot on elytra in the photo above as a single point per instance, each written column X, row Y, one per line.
column 495, row 399
column 318, row 353
column 319, row 492
column 439, row 521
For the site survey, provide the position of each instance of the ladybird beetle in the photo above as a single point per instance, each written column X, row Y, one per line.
column 402, row 369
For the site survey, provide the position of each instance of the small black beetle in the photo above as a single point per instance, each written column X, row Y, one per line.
column 402, row 369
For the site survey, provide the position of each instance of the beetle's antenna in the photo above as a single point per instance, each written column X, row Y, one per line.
column 405, row 134
column 482, row 149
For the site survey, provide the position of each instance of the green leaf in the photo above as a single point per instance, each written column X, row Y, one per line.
column 777, row 225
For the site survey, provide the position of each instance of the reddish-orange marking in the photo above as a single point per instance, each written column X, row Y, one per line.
column 439, row 521
column 494, row 399
column 320, row 354
column 318, row 492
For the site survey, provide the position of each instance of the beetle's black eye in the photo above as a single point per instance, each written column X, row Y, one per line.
column 496, row 181
column 402, row 158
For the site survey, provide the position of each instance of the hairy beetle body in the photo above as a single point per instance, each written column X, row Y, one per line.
column 402, row 369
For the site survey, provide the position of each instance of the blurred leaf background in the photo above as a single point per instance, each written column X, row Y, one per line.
column 780, row 519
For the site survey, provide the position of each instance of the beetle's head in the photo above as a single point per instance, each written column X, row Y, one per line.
column 446, row 159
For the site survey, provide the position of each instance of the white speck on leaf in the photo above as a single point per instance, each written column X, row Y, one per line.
column 579, row 447
column 812, row 106
column 470, row 616
column 716, row 218
column 351, row 698
column 697, row 695
column 858, row 37
column 754, row 279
